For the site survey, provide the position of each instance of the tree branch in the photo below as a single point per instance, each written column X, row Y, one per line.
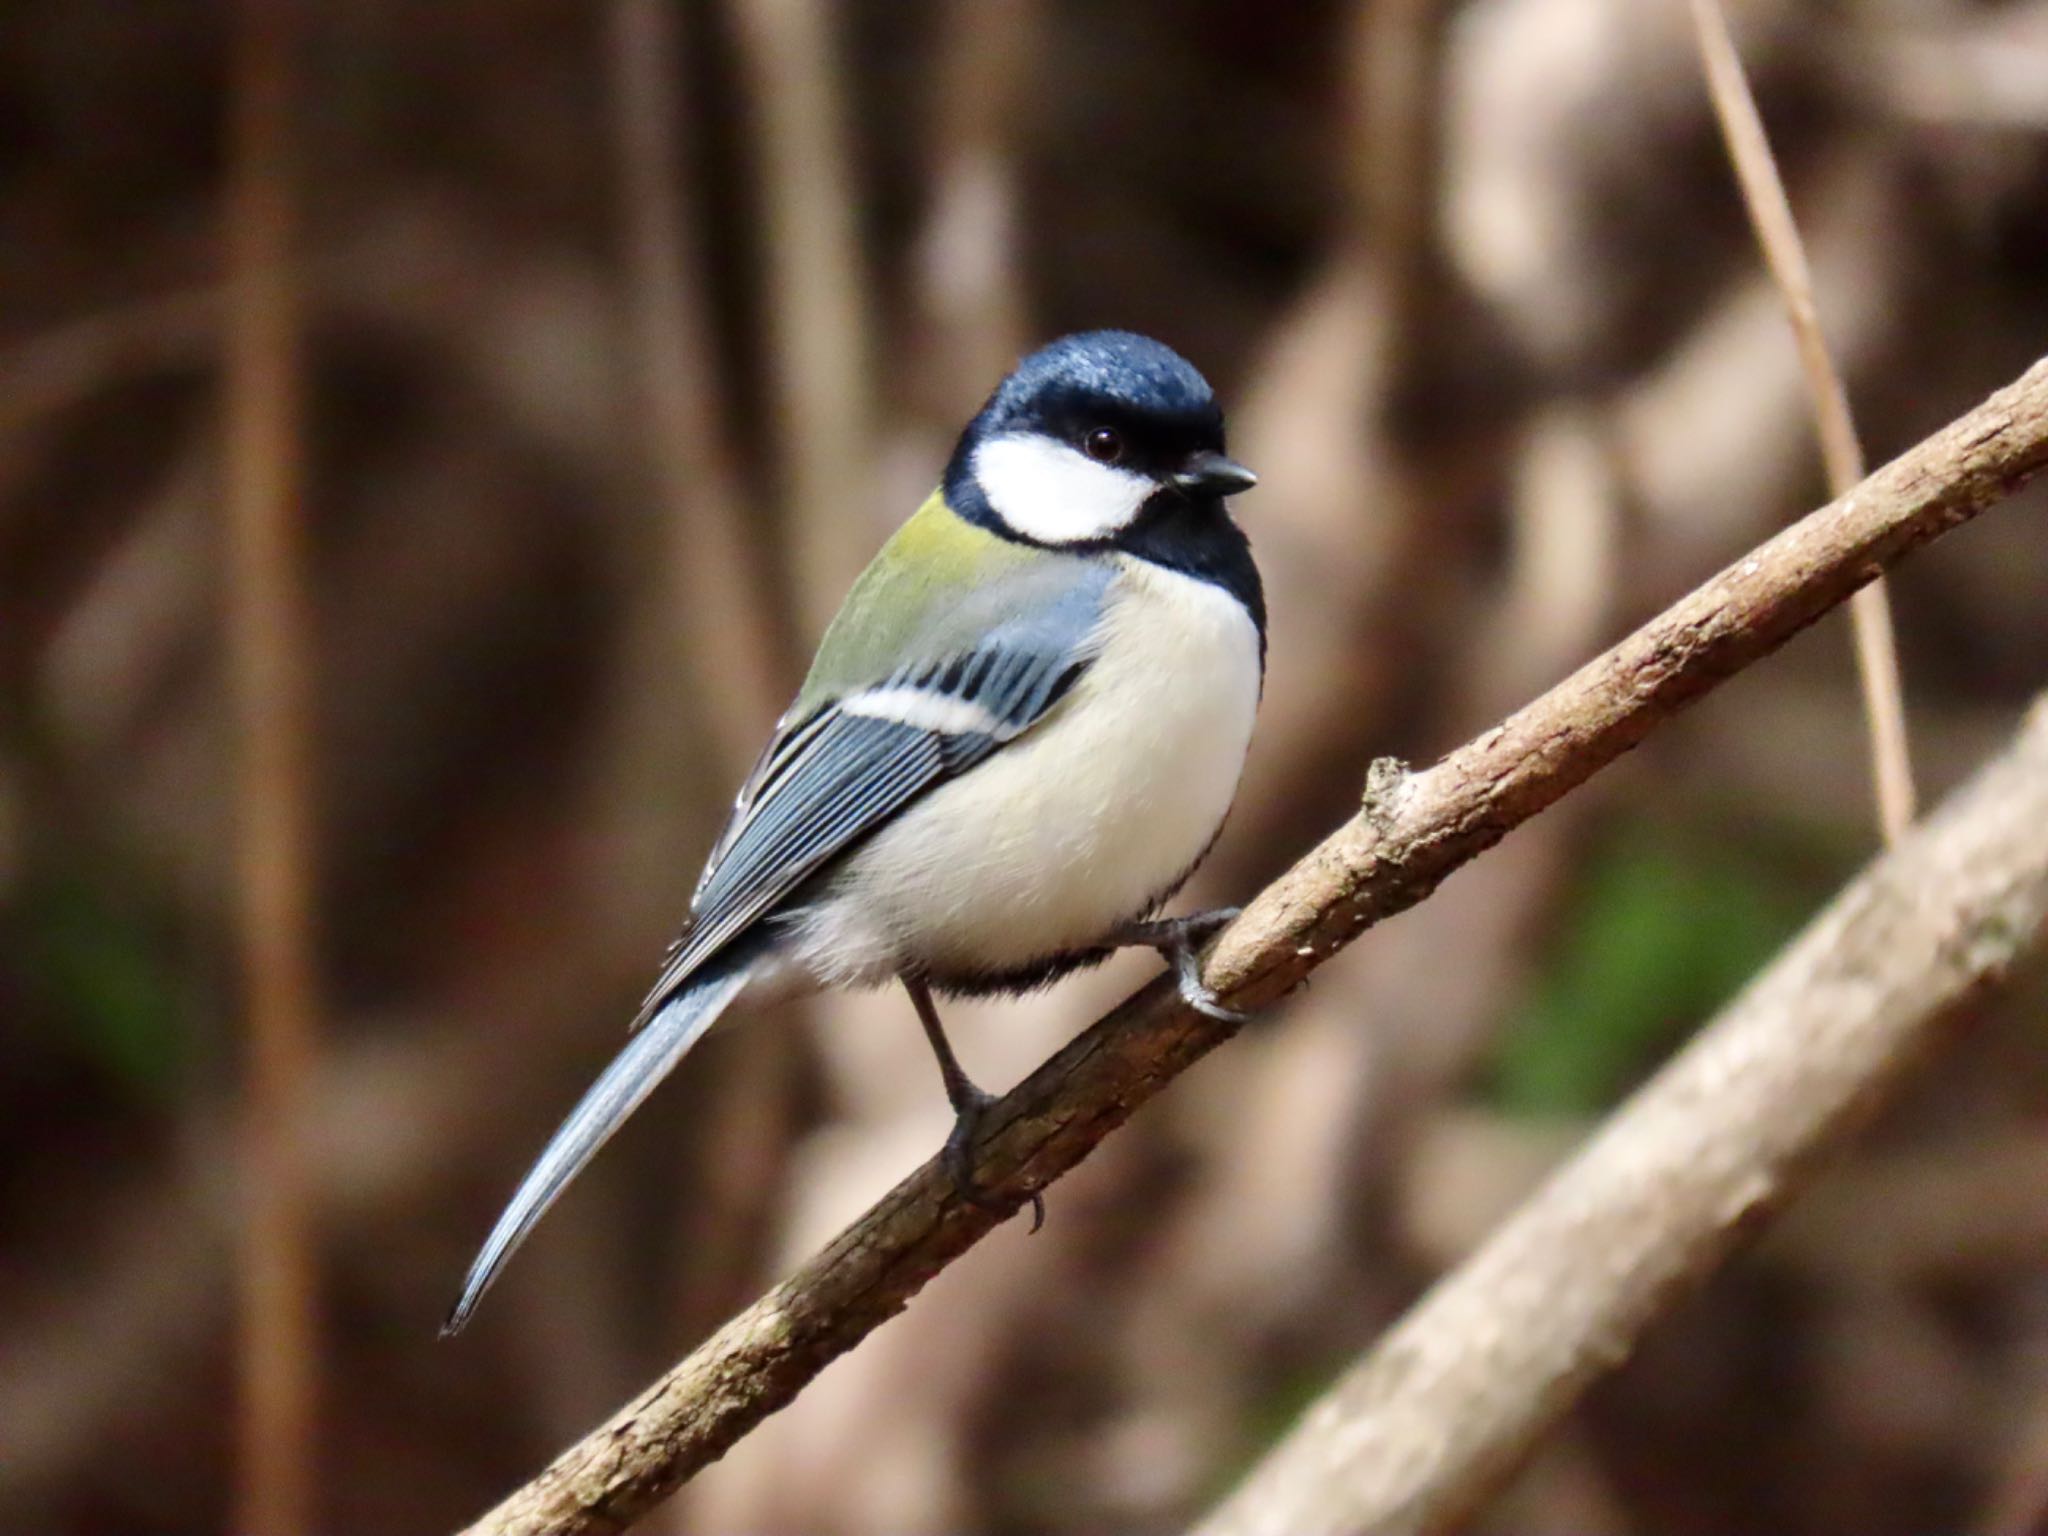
column 1444, row 1406
column 1412, row 831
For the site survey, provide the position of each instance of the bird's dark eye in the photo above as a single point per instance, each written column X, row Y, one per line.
column 1105, row 445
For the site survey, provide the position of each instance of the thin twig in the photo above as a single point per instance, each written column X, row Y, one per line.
column 1440, row 1411
column 1770, row 214
column 969, row 283
column 1397, row 64
column 267, row 635
column 1413, row 831
column 817, row 301
column 713, row 579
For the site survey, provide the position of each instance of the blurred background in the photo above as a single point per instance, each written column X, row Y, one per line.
column 627, row 331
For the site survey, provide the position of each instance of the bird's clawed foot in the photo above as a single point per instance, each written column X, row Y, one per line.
column 1179, row 940
column 969, row 1104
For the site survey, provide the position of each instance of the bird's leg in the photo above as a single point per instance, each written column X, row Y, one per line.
column 968, row 1101
column 1180, row 941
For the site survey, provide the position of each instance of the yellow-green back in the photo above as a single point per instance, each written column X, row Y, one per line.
column 933, row 590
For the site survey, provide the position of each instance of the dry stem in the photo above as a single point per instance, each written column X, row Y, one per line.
column 712, row 567
column 267, row 635
column 1770, row 214
column 817, row 300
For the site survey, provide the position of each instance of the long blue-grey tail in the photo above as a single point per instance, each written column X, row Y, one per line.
column 649, row 1057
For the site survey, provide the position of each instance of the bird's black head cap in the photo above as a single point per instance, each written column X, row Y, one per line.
column 1108, row 440
column 1095, row 372
column 1157, row 405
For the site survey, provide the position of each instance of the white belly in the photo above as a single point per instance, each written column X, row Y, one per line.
column 1082, row 823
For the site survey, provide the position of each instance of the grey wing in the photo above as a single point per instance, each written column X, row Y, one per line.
column 840, row 773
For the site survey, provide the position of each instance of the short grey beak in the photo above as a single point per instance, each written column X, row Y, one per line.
column 1212, row 474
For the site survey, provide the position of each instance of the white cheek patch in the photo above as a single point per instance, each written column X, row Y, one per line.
column 1056, row 494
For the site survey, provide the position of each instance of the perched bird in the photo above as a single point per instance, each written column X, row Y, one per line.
column 1019, row 737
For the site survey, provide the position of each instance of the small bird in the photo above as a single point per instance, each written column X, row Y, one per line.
column 1020, row 735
